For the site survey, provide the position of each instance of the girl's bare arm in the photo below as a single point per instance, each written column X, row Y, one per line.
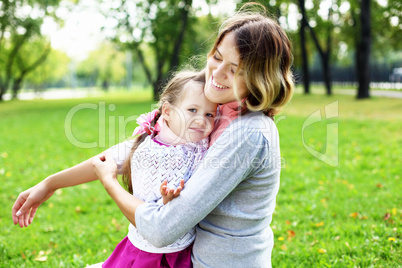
column 27, row 203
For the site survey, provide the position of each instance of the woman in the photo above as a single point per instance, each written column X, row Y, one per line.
column 231, row 196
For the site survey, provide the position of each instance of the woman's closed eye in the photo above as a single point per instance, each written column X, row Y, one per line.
column 215, row 56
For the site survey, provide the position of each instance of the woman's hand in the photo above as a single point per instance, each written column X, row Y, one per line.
column 27, row 203
column 105, row 169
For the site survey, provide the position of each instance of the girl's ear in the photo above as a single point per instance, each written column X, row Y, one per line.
column 166, row 111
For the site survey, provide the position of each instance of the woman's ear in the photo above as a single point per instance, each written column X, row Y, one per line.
column 166, row 111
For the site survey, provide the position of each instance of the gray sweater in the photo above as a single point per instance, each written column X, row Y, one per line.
column 230, row 199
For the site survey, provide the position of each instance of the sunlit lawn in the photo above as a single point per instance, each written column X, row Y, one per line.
column 344, row 215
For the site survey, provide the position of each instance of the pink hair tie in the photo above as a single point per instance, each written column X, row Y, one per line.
column 144, row 122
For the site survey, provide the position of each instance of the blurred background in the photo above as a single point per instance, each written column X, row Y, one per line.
column 65, row 48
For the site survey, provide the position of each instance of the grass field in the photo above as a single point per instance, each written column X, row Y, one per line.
column 347, row 214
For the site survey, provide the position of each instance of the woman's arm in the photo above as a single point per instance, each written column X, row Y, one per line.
column 27, row 203
column 239, row 153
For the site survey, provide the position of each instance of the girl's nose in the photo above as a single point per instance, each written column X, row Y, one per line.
column 200, row 122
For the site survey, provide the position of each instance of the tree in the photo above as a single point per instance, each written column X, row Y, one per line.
column 20, row 22
column 54, row 69
column 30, row 56
column 322, row 33
column 302, row 30
column 363, row 50
column 104, row 66
column 165, row 27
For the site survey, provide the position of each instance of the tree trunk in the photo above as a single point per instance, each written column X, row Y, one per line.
column 174, row 62
column 2, row 91
column 16, row 87
column 327, row 73
column 363, row 52
column 306, row 74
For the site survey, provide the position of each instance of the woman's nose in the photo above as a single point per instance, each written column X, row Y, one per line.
column 219, row 71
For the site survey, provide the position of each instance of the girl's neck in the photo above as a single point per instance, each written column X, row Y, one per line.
column 166, row 135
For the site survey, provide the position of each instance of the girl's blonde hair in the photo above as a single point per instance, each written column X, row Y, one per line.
column 171, row 93
column 265, row 58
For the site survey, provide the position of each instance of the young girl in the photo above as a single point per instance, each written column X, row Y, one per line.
column 169, row 144
column 172, row 141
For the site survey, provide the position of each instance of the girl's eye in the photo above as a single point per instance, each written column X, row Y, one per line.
column 210, row 115
column 192, row 110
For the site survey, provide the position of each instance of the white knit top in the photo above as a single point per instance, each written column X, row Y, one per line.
column 152, row 163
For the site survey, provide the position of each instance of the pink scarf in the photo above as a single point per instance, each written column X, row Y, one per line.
column 227, row 113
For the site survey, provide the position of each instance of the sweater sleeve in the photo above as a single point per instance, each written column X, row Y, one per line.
column 120, row 152
column 222, row 169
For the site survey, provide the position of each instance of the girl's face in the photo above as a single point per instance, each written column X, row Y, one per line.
column 221, row 67
column 192, row 118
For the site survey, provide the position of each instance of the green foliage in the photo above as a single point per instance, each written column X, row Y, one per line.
column 106, row 64
column 20, row 26
column 52, row 70
column 344, row 216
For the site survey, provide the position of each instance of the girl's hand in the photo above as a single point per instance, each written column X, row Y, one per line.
column 27, row 203
column 170, row 194
column 105, row 169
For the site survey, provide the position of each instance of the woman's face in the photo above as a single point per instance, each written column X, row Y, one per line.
column 220, row 75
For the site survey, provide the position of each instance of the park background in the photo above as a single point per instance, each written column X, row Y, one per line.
column 74, row 75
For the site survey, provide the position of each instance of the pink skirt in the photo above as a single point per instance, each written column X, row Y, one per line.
column 126, row 255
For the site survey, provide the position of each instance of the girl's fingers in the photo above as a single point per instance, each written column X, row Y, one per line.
column 163, row 186
column 26, row 219
column 21, row 221
column 32, row 215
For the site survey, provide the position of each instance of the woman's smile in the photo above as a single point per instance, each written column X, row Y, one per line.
column 217, row 85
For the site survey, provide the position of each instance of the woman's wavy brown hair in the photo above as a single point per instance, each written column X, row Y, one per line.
column 265, row 58
column 171, row 93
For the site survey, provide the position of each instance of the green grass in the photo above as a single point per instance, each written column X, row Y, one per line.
column 343, row 216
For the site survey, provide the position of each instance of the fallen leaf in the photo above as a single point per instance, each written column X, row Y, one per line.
column 379, row 185
column 288, row 222
column 78, row 209
column 394, row 211
column 387, row 216
column 314, row 243
column 284, row 247
column 347, row 244
column 319, row 224
column 291, row 234
column 354, row 214
column 41, row 258
column 23, row 255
